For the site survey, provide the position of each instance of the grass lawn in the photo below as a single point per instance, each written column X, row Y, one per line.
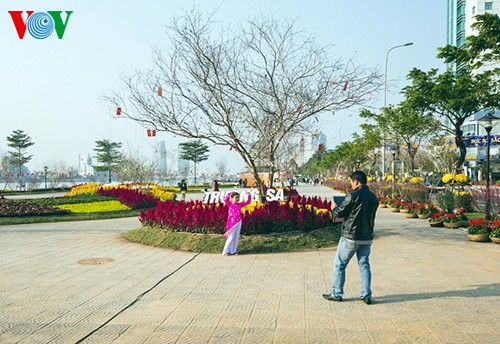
column 213, row 243
column 68, row 217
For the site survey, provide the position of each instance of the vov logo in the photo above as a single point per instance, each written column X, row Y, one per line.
column 40, row 25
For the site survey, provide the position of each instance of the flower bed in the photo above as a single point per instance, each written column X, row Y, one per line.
column 296, row 214
column 12, row 208
column 135, row 199
column 95, row 207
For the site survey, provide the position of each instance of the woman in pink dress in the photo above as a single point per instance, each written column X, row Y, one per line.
column 233, row 226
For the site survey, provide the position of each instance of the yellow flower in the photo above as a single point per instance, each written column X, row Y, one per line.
column 89, row 188
column 94, row 207
column 416, row 180
column 461, row 178
column 447, row 178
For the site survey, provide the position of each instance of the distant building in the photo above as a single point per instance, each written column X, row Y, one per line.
column 162, row 157
column 183, row 166
column 85, row 164
column 314, row 143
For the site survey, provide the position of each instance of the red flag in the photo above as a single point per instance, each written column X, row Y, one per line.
column 231, row 148
column 118, row 111
column 160, row 91
column 345, row 86
column 148, row 132
column 299, row 108
column 153, row 132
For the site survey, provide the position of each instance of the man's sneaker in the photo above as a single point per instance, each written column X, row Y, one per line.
column 330, row 297
column 367, row 300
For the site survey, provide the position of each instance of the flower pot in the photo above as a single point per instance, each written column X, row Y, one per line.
column 411, row 216
column 436, row 224
column 403, row 210
column 478, row 237
column 394, row 210
column 495, row 240
column 424, row 216
column 452, row 225
column 382, row 205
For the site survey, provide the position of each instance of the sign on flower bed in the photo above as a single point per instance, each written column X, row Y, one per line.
column 296, row 214
column 12, row 208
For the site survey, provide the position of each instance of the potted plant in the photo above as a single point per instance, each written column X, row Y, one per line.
column 393, row 205
column 382, row 202
column 452, row 220
column 411, row 211
column 424, row 210
column 436, row 219
column 478, row 230
column 462, row 217
column 495, row 232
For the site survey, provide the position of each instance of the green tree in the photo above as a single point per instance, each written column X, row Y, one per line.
column 107, row 153
column 479, row 49
column 406, row 126
column 454, row 96
column 195, row 151
column 20, row 142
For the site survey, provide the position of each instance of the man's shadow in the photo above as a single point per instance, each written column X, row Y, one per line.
column 485, row 290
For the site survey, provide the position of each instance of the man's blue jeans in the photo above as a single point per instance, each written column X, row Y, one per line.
column 345, row 251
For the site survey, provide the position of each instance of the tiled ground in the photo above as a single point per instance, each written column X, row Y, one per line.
column 430, row 285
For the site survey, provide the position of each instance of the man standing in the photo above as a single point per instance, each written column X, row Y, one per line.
column 358, row 211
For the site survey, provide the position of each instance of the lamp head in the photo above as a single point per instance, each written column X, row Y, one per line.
column 488, row 121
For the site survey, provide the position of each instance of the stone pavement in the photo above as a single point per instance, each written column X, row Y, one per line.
column 430, row 285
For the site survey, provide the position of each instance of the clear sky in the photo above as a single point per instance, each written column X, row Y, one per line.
column 51, row 88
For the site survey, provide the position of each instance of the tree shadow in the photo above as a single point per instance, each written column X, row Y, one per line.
column 485, row 290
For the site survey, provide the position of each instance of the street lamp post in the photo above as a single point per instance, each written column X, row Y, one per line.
column 393, row 148
column 488, row 122
column 385, row 94
column 45, row 168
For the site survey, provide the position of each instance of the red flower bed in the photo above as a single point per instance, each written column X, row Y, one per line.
column 272, row 217
column 11, row 208
column 132, row 198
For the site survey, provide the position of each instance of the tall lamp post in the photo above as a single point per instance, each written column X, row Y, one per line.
column 385, row 95
column 45, row 168
column 488, row 122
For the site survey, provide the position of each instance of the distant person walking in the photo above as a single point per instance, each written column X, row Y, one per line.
column 216, row 186
column 234, row 219
column 184, row 188
column 358, row 211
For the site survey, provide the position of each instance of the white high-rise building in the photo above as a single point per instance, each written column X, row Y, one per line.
column 461, row 15
column 162, row 157
column 85, row 164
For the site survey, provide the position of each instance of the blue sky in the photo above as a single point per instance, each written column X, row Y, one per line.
column 51, row 88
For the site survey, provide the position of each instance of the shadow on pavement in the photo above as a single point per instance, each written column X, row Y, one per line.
column 486, row 290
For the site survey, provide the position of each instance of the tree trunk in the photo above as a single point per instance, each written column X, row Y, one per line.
column 461, row 146
column 194, row 172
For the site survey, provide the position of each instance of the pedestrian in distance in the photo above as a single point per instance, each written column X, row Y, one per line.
column 234, row 220
column 184, row 188
column 216, row 186
column 358, row 212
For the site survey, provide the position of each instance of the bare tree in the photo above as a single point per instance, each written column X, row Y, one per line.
column 250, row 88
column 135, row 167
column 221, row 168
column 58, row 171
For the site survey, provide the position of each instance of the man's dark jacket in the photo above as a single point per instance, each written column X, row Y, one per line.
column 358, row 211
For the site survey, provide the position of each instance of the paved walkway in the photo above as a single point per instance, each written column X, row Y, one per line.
column 430, row 285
